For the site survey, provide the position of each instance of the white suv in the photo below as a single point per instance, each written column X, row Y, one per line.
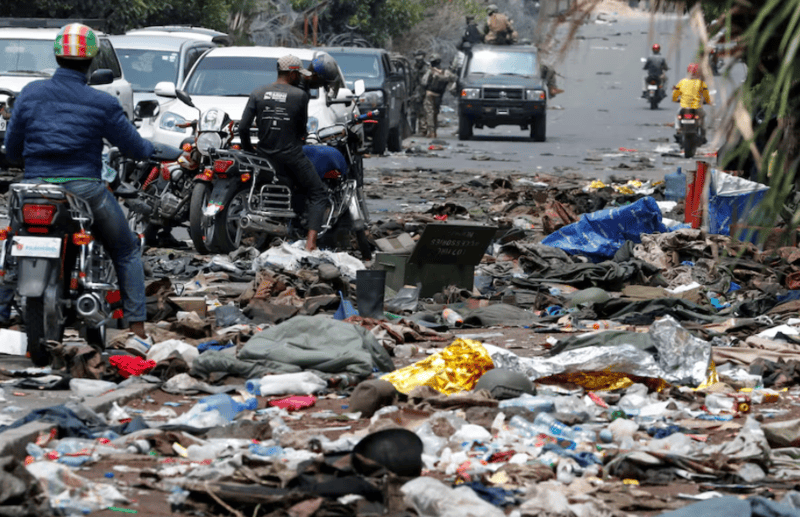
column 223, row 78
column 26, row 55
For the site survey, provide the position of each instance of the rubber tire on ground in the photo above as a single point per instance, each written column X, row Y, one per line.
column 395, row 140
column 200, row 196
column 689, row 146
column 39, row 331
column 464, row 128
column 380, row 137
column 539, row 128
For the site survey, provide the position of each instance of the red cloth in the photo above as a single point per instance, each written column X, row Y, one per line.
column 130, row 365
column 294, row 403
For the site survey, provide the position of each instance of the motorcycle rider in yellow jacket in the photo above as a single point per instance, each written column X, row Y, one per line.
column 692, row 92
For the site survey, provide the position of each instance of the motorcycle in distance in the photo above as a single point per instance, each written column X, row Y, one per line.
column 691, row 133
column 61, row 274
column 655, row 91
column 168, row 180
column 250, row 200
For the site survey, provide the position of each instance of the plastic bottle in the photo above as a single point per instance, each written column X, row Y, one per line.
column 533, row 403
column 266, row 450
column 405, row 351
column 675, row 186
column 228, row 407
column 303, row 383
column 34, row 451
column 594, row 324
column 452, row 318
column 554, row 427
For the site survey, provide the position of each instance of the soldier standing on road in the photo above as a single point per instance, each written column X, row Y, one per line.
column 436, row 82
column 499, row 28
column 418, row 122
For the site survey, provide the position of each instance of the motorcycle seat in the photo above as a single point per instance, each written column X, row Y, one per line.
column 166, row 153
column 326, row 158
column 126, row 191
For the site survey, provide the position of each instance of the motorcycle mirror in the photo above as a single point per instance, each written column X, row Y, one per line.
column 644, row 60
column 165, row 89
column 184, row 98
column 101, row 76
column 146, row 109
column 359, row 88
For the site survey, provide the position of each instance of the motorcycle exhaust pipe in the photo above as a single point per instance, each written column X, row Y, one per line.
column 89, row 308
column 256, row 222
column 356, row 214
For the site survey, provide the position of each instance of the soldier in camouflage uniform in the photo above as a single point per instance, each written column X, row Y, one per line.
column 418, row 70
column 436, row 81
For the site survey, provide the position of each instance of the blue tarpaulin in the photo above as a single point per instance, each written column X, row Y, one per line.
column 730, row 200
column 600, row 234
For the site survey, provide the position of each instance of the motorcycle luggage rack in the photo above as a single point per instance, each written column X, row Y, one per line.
column 274, row 201
column 79, row 209
column 248, row 162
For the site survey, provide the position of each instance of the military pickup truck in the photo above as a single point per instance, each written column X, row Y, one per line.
column 501, row 85
column 383, row 76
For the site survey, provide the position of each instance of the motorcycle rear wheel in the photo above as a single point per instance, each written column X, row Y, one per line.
column 44, row 322
column 689, row 145
column 228, row 234
column 201, row 228
column 654, row 102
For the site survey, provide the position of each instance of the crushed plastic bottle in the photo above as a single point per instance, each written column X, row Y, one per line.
column 405, row 351
column 452, row 318
column 260, row 449
column 533, row 403
column 227, row 406
column 303, row 383
column 90, row 387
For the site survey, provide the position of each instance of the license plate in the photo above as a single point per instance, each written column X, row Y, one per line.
column 502, row 112
column 39, row 247
column 689, row 121
column 3, row 123
column 652, row 87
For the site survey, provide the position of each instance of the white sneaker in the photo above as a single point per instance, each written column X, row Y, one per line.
column 138, row 346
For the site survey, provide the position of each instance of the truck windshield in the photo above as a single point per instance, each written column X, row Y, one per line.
column 493, row 62
column 145, row 68
column 358, row 66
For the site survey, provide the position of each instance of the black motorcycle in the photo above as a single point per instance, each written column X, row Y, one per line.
column 655, row 91
column 250, row 200
column 60, row 272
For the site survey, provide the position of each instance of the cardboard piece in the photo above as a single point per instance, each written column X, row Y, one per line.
column 191, row 304
column 13, row 342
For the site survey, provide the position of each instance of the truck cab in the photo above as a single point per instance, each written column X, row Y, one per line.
column 501, row 85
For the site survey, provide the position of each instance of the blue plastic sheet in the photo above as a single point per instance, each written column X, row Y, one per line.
column 730, row 200
column 600, row 234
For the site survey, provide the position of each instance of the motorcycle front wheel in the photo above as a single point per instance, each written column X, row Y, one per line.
column 228, row 233
column 201, row 228
column 44, row 322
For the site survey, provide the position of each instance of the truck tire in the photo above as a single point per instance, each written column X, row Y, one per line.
column 464, row 128
column 380, row 137
column 395, row 142
column 539, row 128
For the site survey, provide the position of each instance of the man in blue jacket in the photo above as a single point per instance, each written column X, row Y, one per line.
column 58, row 126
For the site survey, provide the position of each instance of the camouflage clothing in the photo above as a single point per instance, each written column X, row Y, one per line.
column 436, row 82
column 418, row 121
column 500, row 30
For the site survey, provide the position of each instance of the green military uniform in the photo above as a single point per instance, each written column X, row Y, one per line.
column 436, row 82
column 418, row 94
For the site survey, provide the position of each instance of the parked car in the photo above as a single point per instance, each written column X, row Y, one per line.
column 375, row 67
column 186, row 31
column 502, row 85
column 26, row 55
column 148, row 59
column 223, row 78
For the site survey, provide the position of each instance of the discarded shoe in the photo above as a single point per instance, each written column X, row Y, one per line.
column 138, row 346
column 555, row 91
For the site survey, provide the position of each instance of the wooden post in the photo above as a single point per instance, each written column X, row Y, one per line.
column 315, row 27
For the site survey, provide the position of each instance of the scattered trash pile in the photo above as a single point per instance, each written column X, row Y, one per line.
column 616, row 362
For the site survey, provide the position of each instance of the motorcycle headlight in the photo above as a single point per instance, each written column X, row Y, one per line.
column 312, row 125
column 169, row 120
column 207, row 141
column 471, row 93
column 535, row 95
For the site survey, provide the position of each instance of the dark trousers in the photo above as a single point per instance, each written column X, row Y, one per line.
column 299, row 173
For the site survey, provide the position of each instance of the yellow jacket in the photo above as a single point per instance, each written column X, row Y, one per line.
column 689, row 92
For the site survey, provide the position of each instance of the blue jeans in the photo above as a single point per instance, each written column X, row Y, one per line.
column 111, row 229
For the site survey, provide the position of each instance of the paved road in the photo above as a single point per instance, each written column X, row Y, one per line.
column 600, row 112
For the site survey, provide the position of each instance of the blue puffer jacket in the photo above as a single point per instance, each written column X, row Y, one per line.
column 58, row 126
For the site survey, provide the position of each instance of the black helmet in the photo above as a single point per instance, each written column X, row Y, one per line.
column 398, row 450
column 435, row 59
column 505, row 384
